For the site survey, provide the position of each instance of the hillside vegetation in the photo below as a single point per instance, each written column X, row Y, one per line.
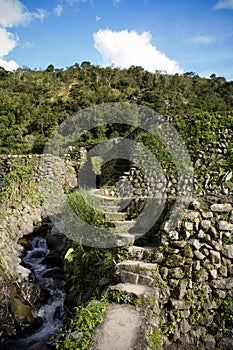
column 33, row 103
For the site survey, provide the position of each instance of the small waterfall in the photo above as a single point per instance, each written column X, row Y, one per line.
column 52, row 311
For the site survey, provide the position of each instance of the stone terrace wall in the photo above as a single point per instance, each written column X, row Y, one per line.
column 194, row 278
column 22, row 214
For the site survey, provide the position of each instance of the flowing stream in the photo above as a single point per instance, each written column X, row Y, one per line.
column 52, row 311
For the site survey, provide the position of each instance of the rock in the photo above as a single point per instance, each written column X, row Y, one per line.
column 180, row 305
column 145, row 280
column 26, row 227
column 210, row 342
column 195, row 243
column 194, row 204
column 183, row 287
column 197, row 265
column 207, row 214
column 53, row 259
column 205, row 224
column 38, row 346
column 201, row 275
column 178, row 244
column 139, row 291
column 175, row 261
column 188, row 226
column 54, row 273
column 22, row 272
column 214, row 273
column 184, row 326
column 216, row 245
column 227, row 343
column 177, row 273
column 215, row 257
column 228, row 251
column 225, row 226
column 223, row 271
column 31, row 292
column 164, row 272
column 221, row 207
column 199, row 255
column 222, row 284
column 55, row 240
column 137, row 252
column 22, row 313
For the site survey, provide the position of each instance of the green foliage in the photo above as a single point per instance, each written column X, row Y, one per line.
column 154, row 339
column 79, row 333
column 80, row 200
column 33, row 103
column 121, row 297
column 223, row 316
column 89, row 270
column 19, row 186
column 226, row 179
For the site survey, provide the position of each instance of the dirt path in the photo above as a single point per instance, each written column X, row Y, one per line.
column 122, row 329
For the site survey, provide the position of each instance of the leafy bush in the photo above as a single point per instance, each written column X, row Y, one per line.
column 82, row 326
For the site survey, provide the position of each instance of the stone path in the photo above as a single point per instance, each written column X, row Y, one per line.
column 123, row 327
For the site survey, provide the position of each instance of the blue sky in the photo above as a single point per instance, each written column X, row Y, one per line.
column 169, row 35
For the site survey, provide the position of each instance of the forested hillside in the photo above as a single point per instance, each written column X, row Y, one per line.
column 34, row 102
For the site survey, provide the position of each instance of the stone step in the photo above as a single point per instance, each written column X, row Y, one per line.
column 107, row 201
column 122, row 225
column 144, row 253
column 139, row 253
column 112, row 208
column 136, row 272
column 126, row 238
column 138, row 290
column 115, row 216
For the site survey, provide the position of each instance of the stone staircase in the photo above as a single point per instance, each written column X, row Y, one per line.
column 112, row 207
column 134, row 276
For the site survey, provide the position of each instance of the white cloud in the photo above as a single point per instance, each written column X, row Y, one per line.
column 201, row 40
column 224, row 4
column 126, row 48
column 27, row 45
column 8, row 43
column 8, row 65
column 58, row 10
column 13, row 12
column 39, row 14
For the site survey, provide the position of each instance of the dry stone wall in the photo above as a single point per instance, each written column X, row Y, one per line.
column 21, row 214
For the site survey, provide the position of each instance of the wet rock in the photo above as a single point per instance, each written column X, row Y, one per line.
column 22, row 313
column 54, row 273
column 31, row 292
column 55, row 240
column 53, row 259
column 24, row 243
column 38, row 346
